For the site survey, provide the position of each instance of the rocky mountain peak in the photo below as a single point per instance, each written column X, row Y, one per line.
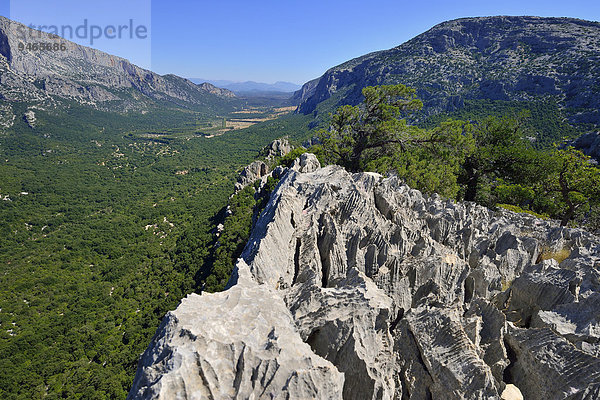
column 210, row 88
column 492, row 58
column 356, row 286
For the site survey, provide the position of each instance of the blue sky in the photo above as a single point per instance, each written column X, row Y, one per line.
column 268, row 40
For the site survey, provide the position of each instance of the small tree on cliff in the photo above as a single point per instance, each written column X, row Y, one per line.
column 375, row 126
column 573, row 184
column 374, row 137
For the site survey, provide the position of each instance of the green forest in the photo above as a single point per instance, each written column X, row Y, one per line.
column 97, row 231
column 104, row 229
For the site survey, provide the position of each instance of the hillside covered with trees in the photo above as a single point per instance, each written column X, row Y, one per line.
column 490, row 160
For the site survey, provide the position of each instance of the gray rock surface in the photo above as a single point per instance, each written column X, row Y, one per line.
column 547, row 366
column 251, row 173
column 277, row 148
column 87, row 76
column 449, row 355
column 29, row 117
column 307, row 162
column 254, row 351
column 349, row 326
column 407, row 296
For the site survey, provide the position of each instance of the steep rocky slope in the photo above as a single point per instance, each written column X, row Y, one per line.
column 88, row 76
column 355, row 286
column 589, row 144
column 495, row 58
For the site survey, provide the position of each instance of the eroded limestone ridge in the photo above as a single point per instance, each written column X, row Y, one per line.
column 355, row 286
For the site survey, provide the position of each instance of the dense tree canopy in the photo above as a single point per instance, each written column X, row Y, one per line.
column 573, row 184
column 491, row 160
column 374, row 137
column 374, row 127
column 500, row 151
column 107, row 223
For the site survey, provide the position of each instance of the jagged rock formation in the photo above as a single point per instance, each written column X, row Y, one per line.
column 254, row 353
column 277, row 148
column 88, row 76
column 250, row 173
column 29, row 117
column 259, row 169
column 407, row 296
column 495, row 58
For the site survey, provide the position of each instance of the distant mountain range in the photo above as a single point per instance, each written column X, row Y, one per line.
column 50, row 71
column 251, row 86
column 477, row 60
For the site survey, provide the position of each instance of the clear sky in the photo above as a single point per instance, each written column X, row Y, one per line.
column 268, row 40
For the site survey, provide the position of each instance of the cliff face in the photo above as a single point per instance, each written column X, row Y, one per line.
column 495, row 58
column 355, row 286
column 87, row 76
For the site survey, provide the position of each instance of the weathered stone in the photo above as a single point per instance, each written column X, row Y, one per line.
column 240, row 343
column 542, row 287
column 349, row 326
column 408, row 295
column 29, row 118
column 251, row 173
column 277, row 148
column 547, row 366
column 307, row 162
column 451, row 359
column 578, row 322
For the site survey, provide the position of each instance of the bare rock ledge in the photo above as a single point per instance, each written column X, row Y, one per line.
column 356, row 286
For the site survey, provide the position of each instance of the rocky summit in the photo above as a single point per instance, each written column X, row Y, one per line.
column 356, row 286
column 555, row 60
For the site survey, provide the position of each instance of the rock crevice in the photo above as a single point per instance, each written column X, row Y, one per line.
column 385, row 293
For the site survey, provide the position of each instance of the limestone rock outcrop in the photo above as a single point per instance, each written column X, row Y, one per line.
column 251, row 173
column 255, row 352
column 385, row 293
column 29, row 117
column 277, row 148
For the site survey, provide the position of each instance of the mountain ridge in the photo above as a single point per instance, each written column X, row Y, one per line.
column 408, row 295
column 68, row 71
column 496, row 58
column 250, row 86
